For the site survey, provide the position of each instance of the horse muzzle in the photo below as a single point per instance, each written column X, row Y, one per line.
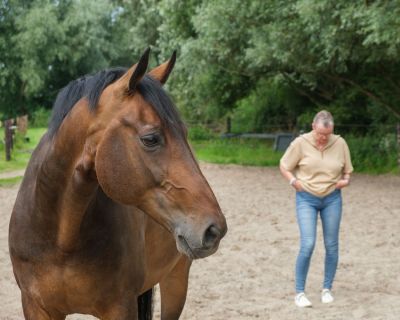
column 197, row 245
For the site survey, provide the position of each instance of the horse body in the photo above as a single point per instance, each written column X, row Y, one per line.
column 110, row 205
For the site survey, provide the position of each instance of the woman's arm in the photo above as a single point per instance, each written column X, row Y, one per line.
column 344, row 182
column 347, row 169
column 289, row 176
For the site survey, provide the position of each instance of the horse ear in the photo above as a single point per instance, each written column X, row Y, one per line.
column 136, row 72
column 161, row 73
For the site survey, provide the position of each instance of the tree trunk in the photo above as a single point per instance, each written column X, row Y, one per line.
column 398, row 144
column 8, row 137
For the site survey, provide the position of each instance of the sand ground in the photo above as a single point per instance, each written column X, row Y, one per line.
column 252, row 274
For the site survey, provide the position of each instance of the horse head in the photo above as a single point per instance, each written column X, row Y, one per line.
column 140, row 154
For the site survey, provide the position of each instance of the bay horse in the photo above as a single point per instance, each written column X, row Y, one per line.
column 112, row 203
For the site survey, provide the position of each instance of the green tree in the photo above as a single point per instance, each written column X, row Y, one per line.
column 326, row 48
column 48, row 43
column 293, row 56
column 135, row 27
column 330, row 52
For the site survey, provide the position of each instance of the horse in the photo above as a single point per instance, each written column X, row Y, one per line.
column 112, row 203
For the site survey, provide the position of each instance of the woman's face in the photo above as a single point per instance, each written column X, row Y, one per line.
column 322, row 133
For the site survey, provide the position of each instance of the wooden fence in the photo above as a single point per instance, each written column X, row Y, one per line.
column 10, row 125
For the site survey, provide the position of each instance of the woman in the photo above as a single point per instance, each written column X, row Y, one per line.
column 318, row 165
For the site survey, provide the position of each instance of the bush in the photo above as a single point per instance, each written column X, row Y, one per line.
column 40, row 118
column 200, row 133
column 271, row 106
column 373, row 153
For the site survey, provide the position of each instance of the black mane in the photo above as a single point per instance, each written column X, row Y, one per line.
column 91, row 87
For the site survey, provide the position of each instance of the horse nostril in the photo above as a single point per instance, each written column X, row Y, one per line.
column 211, row 236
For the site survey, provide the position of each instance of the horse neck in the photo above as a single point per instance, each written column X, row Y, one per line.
column 65, row 180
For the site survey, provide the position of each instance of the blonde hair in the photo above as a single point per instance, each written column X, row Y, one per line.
column 323, row 117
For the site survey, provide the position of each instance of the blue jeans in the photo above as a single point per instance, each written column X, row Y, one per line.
column 307, row 208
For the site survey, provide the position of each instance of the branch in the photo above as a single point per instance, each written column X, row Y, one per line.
column 301, row 91
column 367, row 92
column 389, row 78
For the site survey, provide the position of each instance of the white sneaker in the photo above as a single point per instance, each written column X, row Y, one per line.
column 302, row 301
column 326, row 296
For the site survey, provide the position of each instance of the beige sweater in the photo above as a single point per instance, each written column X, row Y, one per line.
column 318, row 171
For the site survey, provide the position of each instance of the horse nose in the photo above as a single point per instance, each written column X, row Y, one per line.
column 211, row 236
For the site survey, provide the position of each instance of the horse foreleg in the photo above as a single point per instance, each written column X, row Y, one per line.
column 173, row 289
column 33, row 311
column 119, row 307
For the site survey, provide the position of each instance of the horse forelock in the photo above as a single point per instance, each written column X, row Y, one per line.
column 154, row 94
column 92, row 86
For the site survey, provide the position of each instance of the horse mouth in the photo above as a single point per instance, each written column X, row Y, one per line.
column 193, row 253
column 183, row 247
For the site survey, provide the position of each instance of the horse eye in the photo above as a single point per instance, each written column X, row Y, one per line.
column 151, row 140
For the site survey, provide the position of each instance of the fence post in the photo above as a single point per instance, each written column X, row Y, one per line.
column 8, row 137
column 228, row 125
column 22, row 125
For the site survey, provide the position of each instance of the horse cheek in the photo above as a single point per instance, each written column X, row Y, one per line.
column 116, row 169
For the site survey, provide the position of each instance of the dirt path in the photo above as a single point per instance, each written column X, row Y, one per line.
column 251, row 276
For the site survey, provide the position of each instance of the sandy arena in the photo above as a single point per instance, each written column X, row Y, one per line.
column 252, row 274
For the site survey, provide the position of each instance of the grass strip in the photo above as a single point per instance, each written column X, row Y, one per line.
column 10, row 182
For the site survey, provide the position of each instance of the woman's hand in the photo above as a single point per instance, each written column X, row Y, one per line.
column 297, row 185
column 342, row 183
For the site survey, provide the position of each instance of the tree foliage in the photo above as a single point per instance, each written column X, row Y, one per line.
column 326, row 48
column 47, row 44
column 265, row 63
